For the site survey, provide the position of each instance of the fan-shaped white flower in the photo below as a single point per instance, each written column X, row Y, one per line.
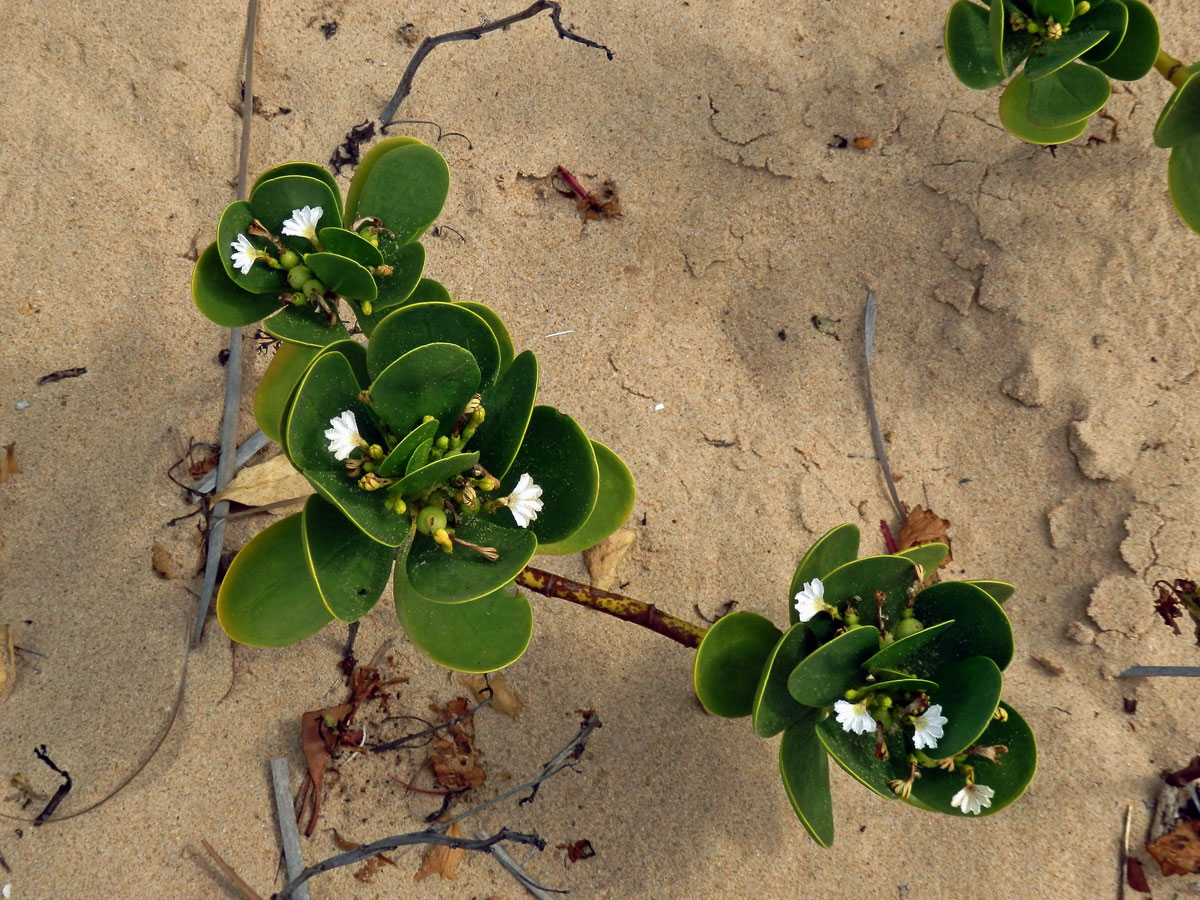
column 343, row 435
column 973, row 798
column 929, row 728
column 245, row 254
column 854, row 716
column 525, row 500
column 810, row 600
column 303, row 223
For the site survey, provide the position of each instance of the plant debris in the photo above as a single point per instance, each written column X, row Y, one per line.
column 160, row 559
column 442, row 860
column 924, row 526
column 581, row 849
column 74, row 372
column 348, row 152
column 1174, row 599
column 8, row 662
column 258, row 107
column 273, row 481
column 8, row 465
column 63, row 789
column 496, row 687
column 599, row 204
column 824, row 324
column 455, row 760
column 603, row 559
column 27, row 308
column 1178, row 851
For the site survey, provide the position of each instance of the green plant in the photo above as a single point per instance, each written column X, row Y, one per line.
column 430, row 461
column 1069, row 51
column 910, row 673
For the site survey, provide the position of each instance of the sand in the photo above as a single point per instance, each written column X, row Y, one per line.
column 1035, row 371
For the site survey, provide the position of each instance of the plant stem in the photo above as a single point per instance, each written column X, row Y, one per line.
column 1171, row 69
column 645, row 614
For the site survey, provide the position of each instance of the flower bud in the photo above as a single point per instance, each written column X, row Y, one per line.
column 442, row 443
column 1082, row 8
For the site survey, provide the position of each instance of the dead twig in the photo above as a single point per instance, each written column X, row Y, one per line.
column 404, row 743
column 248, row 892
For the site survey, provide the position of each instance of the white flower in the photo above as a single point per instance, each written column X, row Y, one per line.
column 525, row 500
column 343, row 435
column 244, row 255
column 929, row 728
column 303, row 223
column 854, row 716
column 810, row 600
column 973, row 798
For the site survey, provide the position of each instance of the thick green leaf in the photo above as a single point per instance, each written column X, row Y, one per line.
column 1014, row 116
column 893, row 575
column 1067, row 96
column 356, row 355
column 1110, row 17
column 261, row 279
column 274, row 201
column 1136, row 54
column 900, row 684
column 417, row 324
column 1062, row 11
column 969, row 692
column 434, row 380
column 221, row 300
column 559, row 457
column 1183, row 180
column 275, row 389
column 855, row 753
column 826, row 673
column 997, row 30
column 477, row 636
column 1179, row 120
column 508, row 405
column 774, row 709
column 306, row 325
column 730, row 660
column 507, row 352
column 1051, row 56
column 997, row 590
column 396, row 462
column 896, row 655
column 268, row 597
column 422, row 478
column 835, row 548
column 927, row 556
column 804, row 768
column 980, row 627
column 342, row 275
column 614, row 503
column 350, row 569
column 405, row 187
column 1009, row 777
column 420, row 456
column 365, row 164
column 430, row 291
column 407, row 262
column 346, row 243
column 464, row 574
column 969, row 46
column 312, row 170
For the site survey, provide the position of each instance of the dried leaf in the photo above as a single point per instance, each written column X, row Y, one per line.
column 503, row 699
column 317, row 741
column 440, row 860
column 924, row 526
column 266, row 483
column 161, row 561
column 581, row 849
column 1178, row 851
column 455, row 761
column 603, row 559
column 8, row 662
column 1186, row 775
column 1135, row 875
column 8, row 465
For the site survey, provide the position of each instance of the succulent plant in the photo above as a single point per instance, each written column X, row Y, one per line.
column 428, row 456
column 899, row 682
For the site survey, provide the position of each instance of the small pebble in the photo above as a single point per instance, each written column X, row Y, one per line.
column 658, row 406
column 1050, row 665
column 22, row 404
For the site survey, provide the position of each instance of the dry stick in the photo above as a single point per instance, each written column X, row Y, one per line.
column 876, row 434
column 248, row 892
column 506, row 860
column 233, row 366
column 474, row 34
column 564, row 759
column 289, row 835
column 645, row 614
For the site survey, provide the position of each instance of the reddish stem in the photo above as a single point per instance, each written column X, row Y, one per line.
column 887, row 536
column 573, row 183
column 421, row 790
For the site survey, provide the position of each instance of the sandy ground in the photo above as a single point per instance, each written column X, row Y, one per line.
column 1035, row 369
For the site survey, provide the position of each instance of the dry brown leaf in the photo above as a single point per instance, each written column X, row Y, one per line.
column 269, row 482
column 161, row 561
column 503, row 699
column 603, row 559
column 455, row 761
column 8, row 465
column 924, row 526
column 441, row 860
column 1178, row 851
column 8, row 662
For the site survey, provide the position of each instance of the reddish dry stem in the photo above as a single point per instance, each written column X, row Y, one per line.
column 573, row 183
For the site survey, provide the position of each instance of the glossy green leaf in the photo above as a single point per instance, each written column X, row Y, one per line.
column 274, row 391
column 896, row 655
column 346, row 243
column 969, row 47
column 804, row 767
column 261, row 279
column 1179, row 120
column 417, row 324
column 464, row 574
column 356, row 355
column 396, row 462
column 1110, row 17
column 1136, row 54
column 901, row 684
column 1009, row 777
column 275, row 200
column 221, row 300
column 1183, row 181
column 508, row 405
column 730, row 660
column 835, row 548
column 1014, row 116
column 969, row 692
column 405, row 187
column 927, row 556
column 893, row 575
column 419, row 457
column 306, row 325
column 268, row 597
column 430, row 291
column 997, row 30
column 614, row 503
column 1062, row 11
column 407, row 262
column 365, row 165
column 1067, row 96
column 997, row 590
column 507, row 351
column 1051, row 56
column 350, row 569
column 774, row 709
column 422, row 478
column 434, row 380
column 559, row 457
column 826, row 673
column 342, row 275
column 477, row 636
column 855, row 754
column 312, row 170
column 980, row 628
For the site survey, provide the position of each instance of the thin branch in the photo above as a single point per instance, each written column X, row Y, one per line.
column 640, row 613
column 876, row 433
column 248, row 892
column 502, row 856
column 474, row 34
column 404, row 743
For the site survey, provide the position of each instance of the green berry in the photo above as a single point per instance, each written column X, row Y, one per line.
column 298, row 274
column 312, row 288
column 430, row 519
column 289, row 260
column 906, row 627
